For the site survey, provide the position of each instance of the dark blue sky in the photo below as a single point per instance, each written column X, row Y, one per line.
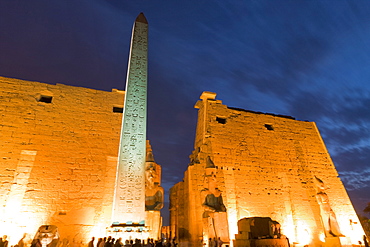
column 306, row 59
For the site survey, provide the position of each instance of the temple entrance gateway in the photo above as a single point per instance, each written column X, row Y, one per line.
column 263, row 164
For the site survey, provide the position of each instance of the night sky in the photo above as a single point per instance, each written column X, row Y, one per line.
column 306, row 59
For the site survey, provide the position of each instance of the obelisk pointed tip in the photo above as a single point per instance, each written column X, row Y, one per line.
column 141, row 18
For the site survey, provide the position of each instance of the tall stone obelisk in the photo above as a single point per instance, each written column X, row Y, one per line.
column 129, row 196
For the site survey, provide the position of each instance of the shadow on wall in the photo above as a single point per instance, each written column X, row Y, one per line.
column 184, row 234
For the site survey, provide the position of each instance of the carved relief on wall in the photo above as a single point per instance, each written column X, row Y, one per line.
column 215, row 224
column 327, row 214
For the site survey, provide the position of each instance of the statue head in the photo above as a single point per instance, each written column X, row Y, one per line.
column 150, row 175
column 320, row 186
column 210, row 180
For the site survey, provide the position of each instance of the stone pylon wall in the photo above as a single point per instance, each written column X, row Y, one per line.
column 57, row 160
column 265, row 167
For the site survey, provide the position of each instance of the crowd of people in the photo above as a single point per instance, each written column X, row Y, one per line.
column 101, row 242
column 213, row 242
column 112, row 242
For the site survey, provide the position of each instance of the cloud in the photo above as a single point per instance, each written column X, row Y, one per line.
column 335, row 108
column 356, row 180
column 355, row 160
column 346, row 136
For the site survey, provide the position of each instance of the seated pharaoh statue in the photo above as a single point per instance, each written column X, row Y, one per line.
column 215, row 224
column 154, row 193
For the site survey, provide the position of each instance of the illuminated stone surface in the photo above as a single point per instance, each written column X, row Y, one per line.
column 129, row 199
column 15, row 196
column 265, row 166
column 59, row 147
column 61, row 155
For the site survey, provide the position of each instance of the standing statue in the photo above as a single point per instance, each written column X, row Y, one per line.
column 215, row 224
column 328, row 217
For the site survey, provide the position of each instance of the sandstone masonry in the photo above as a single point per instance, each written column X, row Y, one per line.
column 266, row 166
column 58, row 157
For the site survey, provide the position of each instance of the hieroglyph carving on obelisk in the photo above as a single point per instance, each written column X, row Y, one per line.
column 129, row 198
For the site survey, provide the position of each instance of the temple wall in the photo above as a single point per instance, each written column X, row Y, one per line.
column 58, row 159
column 266, row 167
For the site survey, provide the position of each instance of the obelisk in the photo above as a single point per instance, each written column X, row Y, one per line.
column 129, row 196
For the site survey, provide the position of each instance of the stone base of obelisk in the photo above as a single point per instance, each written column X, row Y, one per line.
column 128, row 231
column 131, row 231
